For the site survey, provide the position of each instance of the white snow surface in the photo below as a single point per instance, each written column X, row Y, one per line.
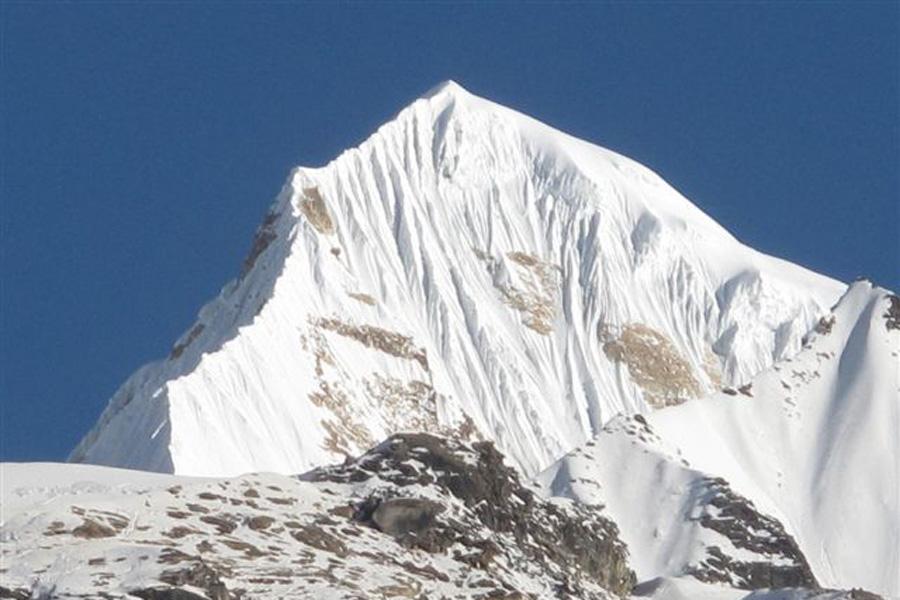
column 504, row 251
column 813, row 443
column 82, row 531
column 256, row 529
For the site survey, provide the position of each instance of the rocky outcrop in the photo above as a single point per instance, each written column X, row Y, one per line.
column 265, row 235
column 405, row 516
column 197, row 575
column 314, row 209
column 892, row 315
column 418, row 516
column 653, row 363
column 574, row 544
column 779, row 563
column 166, row 594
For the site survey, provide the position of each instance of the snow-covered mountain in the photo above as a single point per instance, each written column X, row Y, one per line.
column 681, row 416
column 806, row 457
column 465, row 271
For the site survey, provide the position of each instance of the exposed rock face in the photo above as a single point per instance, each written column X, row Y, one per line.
column 653, row 363
column 574, row 543
column 265, row 235
column 363, row 297
column 180, row 346
column 825, row 325
column 407, row 401
column 664, row 588
column 313, row 207
column 780, row 561
column 892, row 316
column 731, row 541
column 860, row 594
column 380, row 339
column 526, row 284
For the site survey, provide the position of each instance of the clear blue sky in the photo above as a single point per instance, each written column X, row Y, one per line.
column 142, row 144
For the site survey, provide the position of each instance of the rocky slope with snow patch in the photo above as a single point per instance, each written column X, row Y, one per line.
column 676, row 520
column 418, row 516
column 465, row 271
column 797, row 471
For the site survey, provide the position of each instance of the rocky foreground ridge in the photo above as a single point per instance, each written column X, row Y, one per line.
column 418, row 516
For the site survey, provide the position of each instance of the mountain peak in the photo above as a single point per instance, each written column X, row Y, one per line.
column 474, row 285
column 446, row 87
column 463, row 256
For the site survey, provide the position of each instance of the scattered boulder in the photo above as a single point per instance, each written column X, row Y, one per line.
column 223, row 524
column 199, row 575
column 91, row 529
column 166, row 594
column 317, row 537
column 260, row 522
column 400, row 516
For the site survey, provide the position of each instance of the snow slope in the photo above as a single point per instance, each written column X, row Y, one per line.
column 392, row 524
column 812, row 443
column 415, row 516
column 467, row 270
column 676, row 520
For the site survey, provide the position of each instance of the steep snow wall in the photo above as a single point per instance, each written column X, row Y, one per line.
column 467, row 270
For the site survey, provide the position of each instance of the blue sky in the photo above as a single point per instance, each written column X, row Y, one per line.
column 142, row 144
